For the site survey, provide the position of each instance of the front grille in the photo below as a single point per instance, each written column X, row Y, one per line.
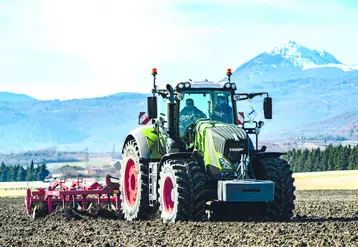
column 230, row 141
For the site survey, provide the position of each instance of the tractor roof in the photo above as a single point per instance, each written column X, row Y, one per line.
column 205, row 85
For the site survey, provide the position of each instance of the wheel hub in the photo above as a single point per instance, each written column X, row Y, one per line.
column 130, row 183
column 168, row 195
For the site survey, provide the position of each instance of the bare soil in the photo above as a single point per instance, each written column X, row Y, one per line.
column 322, row 218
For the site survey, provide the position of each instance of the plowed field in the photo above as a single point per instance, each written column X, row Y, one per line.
column 322, row 218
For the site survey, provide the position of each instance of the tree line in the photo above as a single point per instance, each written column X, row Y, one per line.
column 331, row 159
column 18, row 173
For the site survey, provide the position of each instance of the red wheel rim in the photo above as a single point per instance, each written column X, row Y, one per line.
column 167, row 195
column 130, row 183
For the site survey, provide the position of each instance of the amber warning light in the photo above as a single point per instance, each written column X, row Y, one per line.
column 228, row 71
column 154, row 71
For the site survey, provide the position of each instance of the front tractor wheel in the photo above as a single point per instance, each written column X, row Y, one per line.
column 133, row 184
column 278, row 171
column 174, row 196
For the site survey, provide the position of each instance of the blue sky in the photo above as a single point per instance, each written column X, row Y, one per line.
column 75, row 49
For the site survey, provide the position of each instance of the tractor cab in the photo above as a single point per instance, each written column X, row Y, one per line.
column 206, row 104
column 180, row 108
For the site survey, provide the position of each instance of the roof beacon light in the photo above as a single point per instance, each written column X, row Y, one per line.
column 154, row 71
column 154, row 74
column 228, row 73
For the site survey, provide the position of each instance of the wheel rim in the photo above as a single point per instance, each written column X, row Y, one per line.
column 130, row 183
column 168, row 195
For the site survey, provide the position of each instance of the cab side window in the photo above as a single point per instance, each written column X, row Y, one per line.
column 162, row 110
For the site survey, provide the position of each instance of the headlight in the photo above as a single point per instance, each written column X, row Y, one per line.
column 180, row 85
column 233, row 86
column 180, row 96
column 227, row 85
column 224, row 163
column 187, row 84
column 237, row 97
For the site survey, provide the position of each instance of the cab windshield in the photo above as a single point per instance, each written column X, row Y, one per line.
column 195, row 105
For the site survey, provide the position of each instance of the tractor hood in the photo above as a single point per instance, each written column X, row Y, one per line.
column 221, row 145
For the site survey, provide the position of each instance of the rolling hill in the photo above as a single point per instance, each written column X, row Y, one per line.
column 14, row 97
column 313, row 93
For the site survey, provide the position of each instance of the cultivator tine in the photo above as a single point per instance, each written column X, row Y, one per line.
column 39, row 210
column 90, row 206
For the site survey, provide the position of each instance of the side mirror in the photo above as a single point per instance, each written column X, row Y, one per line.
column 152, row 107
column 268, row 108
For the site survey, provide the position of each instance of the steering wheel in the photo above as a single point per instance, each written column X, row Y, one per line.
column 190, row 121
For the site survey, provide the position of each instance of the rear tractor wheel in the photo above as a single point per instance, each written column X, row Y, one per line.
column 133, row 184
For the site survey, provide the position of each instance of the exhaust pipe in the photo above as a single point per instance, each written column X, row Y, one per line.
column 171, row 112
column 174, row 143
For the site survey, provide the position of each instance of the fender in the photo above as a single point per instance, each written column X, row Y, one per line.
column 146, row 139
column 268, row 154
column 179, row 155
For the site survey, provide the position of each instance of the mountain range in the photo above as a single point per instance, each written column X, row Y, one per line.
column 314, row 95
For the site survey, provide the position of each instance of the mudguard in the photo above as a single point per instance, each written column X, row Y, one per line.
column 147, row 141
column 268, row 154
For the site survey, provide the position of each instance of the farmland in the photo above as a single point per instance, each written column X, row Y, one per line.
column 327, row 216
column 321, row 218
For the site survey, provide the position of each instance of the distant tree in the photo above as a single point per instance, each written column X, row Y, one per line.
column 316, row 159
column 309, row 165
column 21, row 175
column 331, row 159
column 43, row 173
column 30, row 172
column 291, row 157
column 304, row 158
column 37, row 172
column 3, row 172
column 14, row 173
column 344, row 156
column 353, row 159
column 324, row 160
column 298, row 159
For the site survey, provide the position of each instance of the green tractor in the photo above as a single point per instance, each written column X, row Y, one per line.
column 197, row 162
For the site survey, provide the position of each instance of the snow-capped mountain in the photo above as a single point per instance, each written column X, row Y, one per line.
column 291, row 61
column 307, row 86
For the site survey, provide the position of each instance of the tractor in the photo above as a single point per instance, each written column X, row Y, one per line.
column 191, row 165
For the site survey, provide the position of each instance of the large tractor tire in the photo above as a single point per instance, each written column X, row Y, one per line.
column 133, row 184
column 278, row 171
column 200, row 192
column 181, row 196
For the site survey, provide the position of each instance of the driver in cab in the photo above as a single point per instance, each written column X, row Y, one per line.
column 190, row 113
column 223, row 112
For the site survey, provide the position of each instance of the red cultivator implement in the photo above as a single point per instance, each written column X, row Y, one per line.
column 77, row 195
